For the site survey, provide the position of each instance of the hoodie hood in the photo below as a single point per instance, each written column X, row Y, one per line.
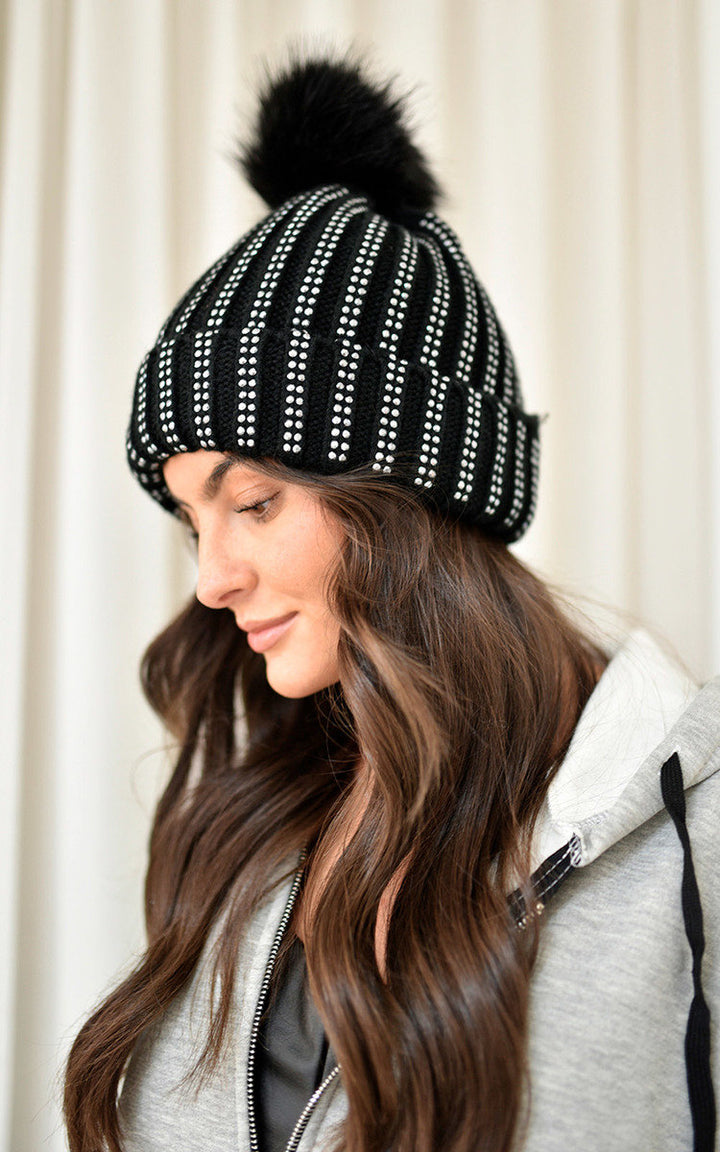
column 643, row 708
column 647, row 734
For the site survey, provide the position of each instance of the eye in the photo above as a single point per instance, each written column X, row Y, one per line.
column 255, row 508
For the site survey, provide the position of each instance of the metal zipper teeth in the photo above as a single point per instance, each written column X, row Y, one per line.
column 254, row 1145
column 305, row 1114
column 307, row 1110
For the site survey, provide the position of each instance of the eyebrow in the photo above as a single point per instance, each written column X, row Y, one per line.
column 213, row 482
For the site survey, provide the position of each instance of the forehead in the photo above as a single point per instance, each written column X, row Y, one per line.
column 188, row 472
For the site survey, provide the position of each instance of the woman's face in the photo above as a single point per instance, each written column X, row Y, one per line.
column 263, row 563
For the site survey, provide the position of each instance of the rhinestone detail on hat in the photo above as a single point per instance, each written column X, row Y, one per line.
column 201, row 389
column 299, row 347
column 471, row 439
column 143, row 431
column 295, row 272
column 197, row 295
column 437, row 318
column 430, row 444
column 468, row 347
column 519, row 491
column 167, row 416
column 435, row 328
column 389, row 421
column 395, row 373
column 493, row 352
column 501, row 443
column 534, row 466
column 349, row 358
column 402, row 285
column 249, row 343
column 246, row 248
column 247, row 362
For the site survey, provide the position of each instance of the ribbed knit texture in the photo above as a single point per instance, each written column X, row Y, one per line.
column 329, row 337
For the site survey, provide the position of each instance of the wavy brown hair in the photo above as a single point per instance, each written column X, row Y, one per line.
column 461, row 679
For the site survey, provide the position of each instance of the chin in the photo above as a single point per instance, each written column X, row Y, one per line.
column 296, row 687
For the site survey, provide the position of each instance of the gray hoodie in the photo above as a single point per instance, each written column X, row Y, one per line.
column 613, row 985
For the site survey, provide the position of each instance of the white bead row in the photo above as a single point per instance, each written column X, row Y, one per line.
column 252, row 247
column 310, row 288
column 341, row 416
column 501, row 444
column 430, row 443
column 469, row 451
column 402, row 287
column 168, row 426
column 534, row 464
column 283, row 248
column 519, row 493
column 440, row 304
column 468, row 346
column 294, row 424
column 141, row 402
column 389, row 422
column 511, row 390
column 187, row 311
column 247, row 363
column 493, row 350
column 202, row 353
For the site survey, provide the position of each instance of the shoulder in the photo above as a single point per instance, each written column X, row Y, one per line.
column 613, row 983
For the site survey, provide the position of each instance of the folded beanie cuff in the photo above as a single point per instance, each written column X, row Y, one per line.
column 329, row 405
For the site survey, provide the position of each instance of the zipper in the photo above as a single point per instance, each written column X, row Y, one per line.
column 262, row 997
column 572, row 849
column 307, row 1110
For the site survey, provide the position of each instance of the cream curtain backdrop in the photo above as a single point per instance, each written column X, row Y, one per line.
column 577, row 144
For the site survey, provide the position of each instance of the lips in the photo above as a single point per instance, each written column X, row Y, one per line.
column 265, row 635
column 261, row 625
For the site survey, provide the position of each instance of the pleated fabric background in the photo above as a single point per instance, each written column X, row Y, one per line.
column 578, row 144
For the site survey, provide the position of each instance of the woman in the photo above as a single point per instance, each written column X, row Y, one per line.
column 394, row 748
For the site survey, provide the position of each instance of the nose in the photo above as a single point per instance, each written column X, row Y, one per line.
column 220, row 574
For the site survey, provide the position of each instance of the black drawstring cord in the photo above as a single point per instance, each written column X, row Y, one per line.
column 697, row 1035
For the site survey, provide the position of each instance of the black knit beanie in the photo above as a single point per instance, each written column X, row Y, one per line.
column 346, row 328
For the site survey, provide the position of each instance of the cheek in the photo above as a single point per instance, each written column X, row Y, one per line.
column 308, row 553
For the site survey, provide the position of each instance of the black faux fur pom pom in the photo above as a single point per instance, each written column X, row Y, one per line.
column 322, row 122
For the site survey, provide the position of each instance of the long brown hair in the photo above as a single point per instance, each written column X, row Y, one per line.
column 461, row 681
